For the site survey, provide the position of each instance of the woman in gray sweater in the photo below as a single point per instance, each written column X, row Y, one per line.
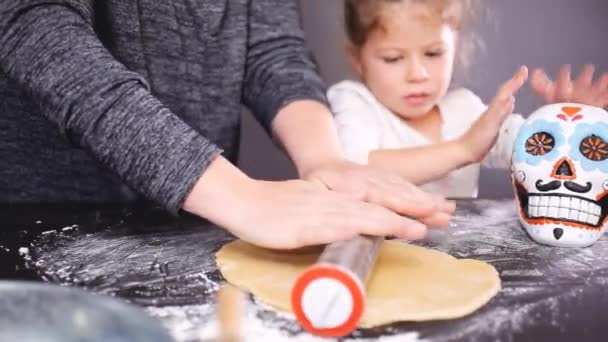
column 106, row 100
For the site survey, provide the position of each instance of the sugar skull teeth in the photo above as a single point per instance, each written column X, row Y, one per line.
column 564, row 208
column 560, row 174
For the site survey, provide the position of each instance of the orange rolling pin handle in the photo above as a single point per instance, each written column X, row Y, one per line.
column 343, row 268
column 328, row 271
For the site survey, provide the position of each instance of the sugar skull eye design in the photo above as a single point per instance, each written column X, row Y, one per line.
column 540, row 144
column 594, row 148
column 539, row 141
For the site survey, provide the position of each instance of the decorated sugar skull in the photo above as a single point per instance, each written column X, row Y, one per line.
column 560, row 174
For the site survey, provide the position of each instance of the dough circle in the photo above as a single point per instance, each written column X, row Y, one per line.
column 408, row 283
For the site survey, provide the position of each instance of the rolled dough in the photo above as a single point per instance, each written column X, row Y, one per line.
column 408, row 283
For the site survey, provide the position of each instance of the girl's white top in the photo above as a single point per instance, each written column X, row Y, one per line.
column 364, row 125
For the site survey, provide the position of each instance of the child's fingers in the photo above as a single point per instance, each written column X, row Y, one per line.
column 520, row 77
column 600, row 86
column 497, row 112
column 502, row 105
column 504, row 100
column 563, row 87
column 564, row 73
column 517, row 81
column 603, row 82
column 542, row 86
column 540, row 76
column 507, row 107
column 585, row 77
column 600, row 91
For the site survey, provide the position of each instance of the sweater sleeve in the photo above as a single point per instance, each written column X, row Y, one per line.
column 280, row 69
column 50, row 48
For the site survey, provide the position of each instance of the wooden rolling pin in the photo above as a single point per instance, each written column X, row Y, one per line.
column 231, row 311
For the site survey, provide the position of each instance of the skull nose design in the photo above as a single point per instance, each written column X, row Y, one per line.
column 564, row 169
column 558, row 232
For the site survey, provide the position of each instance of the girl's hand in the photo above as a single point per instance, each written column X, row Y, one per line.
column 583, row 90
column 480, row 138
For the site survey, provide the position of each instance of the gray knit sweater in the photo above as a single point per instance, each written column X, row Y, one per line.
column 101, row 100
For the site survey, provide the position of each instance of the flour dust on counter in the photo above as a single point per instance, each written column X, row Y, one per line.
column 169, row 268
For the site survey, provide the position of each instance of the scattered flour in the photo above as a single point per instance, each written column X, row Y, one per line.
column 181, row 292
column 196, row 323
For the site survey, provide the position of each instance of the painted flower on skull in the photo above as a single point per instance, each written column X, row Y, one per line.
column 538, row 141
column 589, row 146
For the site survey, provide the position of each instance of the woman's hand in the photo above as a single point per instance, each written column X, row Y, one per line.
column 297, row 213
column 382, row 188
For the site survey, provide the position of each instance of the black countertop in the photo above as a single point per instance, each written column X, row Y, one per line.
column 167, row 265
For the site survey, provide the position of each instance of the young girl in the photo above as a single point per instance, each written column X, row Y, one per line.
column 404, row 117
